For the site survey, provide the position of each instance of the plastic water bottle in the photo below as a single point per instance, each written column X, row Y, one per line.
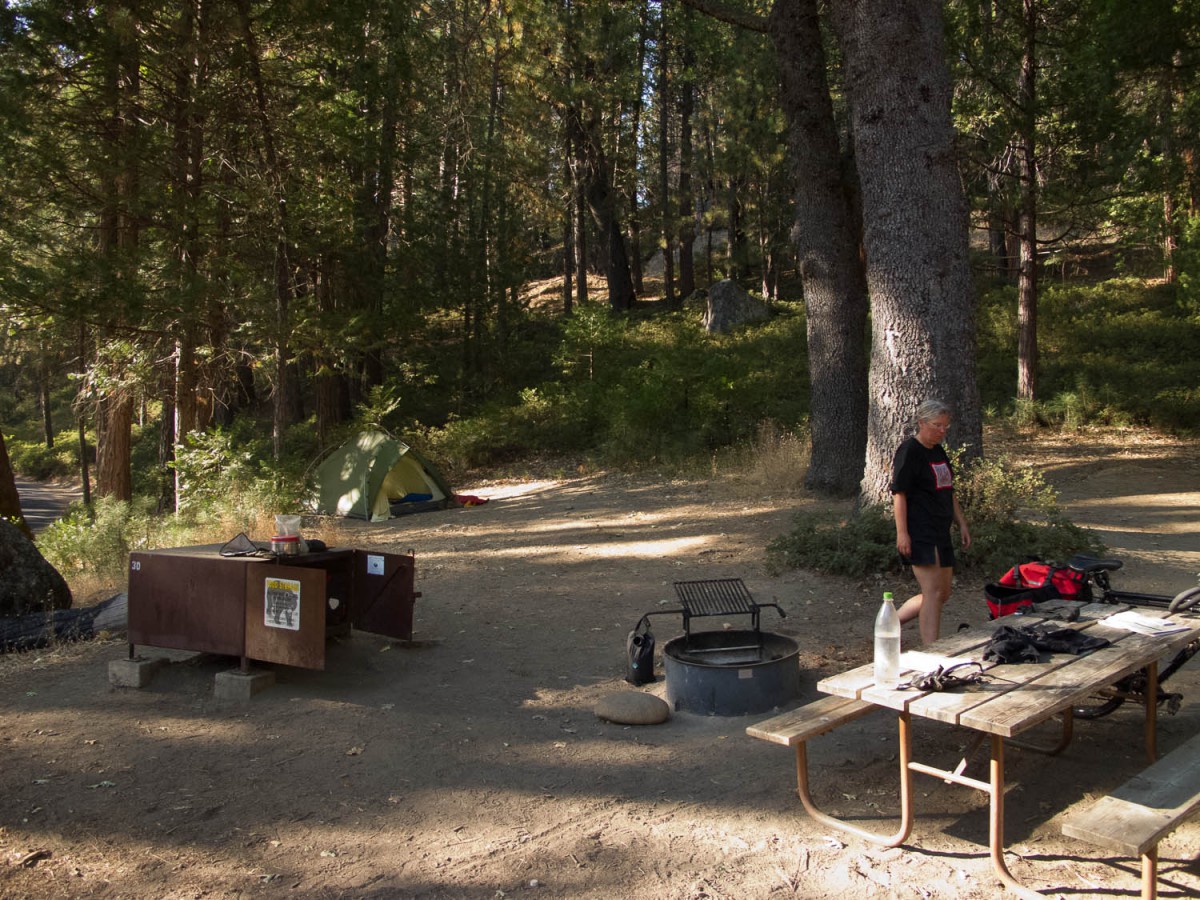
column 887, row 645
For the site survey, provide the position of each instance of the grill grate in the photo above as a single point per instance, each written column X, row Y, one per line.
column 717, row 597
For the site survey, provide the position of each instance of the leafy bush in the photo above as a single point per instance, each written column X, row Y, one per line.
column 97, row 542
column 639, row 391
column 213, row 466
column 856, row 546
column 1119, row 352
column 33, row 459
column 1012, row 513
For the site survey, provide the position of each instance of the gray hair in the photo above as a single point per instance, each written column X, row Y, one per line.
column 930, row 409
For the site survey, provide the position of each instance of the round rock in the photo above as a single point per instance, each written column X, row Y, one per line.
column 633, row 708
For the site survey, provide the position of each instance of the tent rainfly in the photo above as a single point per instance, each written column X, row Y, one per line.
column 374, row 476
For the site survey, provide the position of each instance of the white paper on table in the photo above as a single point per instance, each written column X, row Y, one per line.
column 919, row 661
column 1139, row 623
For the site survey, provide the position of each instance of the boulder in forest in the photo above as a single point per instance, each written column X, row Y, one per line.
column 729, row 305
column 28, row 583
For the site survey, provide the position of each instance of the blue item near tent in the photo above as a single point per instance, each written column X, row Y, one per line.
column 415, row 498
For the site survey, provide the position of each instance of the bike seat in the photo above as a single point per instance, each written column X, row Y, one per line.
column 1090, row 564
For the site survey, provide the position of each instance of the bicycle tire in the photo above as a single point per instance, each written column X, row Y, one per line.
column 1185, row 600
column 1098, row 710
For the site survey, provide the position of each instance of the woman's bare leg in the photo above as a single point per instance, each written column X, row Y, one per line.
column 935, row 584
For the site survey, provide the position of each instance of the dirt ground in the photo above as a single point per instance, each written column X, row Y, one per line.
column 471, row 764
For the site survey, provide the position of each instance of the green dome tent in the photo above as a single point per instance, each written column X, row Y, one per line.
column 374, row 476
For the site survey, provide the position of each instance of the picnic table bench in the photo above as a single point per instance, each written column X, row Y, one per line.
column 1144, row 810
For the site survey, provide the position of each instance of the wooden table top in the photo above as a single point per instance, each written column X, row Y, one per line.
column 1016, row 697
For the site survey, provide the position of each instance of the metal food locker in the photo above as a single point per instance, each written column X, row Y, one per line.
column 277, row 610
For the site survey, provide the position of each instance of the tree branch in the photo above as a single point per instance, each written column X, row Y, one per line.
column 722, row 12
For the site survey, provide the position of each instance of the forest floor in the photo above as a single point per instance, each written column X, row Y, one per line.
column 470, row 763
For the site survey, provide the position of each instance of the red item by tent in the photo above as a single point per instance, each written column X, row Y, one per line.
column 469, row 500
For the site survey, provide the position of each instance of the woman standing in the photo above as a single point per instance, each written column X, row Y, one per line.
column 924, row 506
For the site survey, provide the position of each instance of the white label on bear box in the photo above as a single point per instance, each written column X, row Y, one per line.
column 281, row 604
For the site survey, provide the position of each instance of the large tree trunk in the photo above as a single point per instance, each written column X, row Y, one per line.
column 10, row 500
column 1027, row 273
column 826, row 240
column 687, row 218
column 284, row 287
column 915, row 226
column 664, row 159
column 596, row 179
column 633, row 186
column 114, row 424
column 118, row 237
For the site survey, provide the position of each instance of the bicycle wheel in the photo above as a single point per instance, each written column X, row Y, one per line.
column 1098, row 706
column 1185, row 600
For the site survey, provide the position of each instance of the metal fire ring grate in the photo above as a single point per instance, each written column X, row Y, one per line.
column 717, row 597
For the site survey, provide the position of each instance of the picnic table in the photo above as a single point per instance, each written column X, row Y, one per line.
column 1015, row 700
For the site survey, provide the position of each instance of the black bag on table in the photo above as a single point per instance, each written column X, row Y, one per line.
column 639, row 647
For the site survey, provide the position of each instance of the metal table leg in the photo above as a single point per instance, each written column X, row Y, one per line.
column 1152, row 711
column 906, row 815
column 1064, row 740
column 996, row 822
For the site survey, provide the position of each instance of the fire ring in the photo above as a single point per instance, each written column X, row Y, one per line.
column 731, row 673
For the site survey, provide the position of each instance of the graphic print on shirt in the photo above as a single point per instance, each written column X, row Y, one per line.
column 942, row 476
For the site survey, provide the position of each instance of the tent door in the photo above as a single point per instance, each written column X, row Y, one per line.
column 383, row 597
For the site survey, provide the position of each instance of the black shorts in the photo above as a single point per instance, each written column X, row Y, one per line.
column 927, row 553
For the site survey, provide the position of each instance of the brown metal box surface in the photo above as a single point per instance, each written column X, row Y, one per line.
column 272, row 610
column 188, row 598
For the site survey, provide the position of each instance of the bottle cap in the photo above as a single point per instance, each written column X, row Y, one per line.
column 887, row 595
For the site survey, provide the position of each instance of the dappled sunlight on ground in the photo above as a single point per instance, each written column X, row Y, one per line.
column 469, row 762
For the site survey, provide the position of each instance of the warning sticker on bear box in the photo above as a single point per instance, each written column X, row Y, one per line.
column 281, row 607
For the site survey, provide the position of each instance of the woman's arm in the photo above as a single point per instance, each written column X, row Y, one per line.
column 900, row 513
column 963, row 531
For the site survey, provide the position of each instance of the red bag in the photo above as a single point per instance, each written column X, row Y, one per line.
column 1034, row 582
column 1063, row 583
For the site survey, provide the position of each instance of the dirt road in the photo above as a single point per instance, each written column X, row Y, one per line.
column 471, row 766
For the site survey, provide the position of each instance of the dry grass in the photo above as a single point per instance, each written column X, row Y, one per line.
column 773, row 464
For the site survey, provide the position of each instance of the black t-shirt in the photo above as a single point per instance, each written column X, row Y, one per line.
column 923, row 474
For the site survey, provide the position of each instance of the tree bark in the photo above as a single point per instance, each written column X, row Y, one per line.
column 44, row 400
column 118, row 241
column 664, row 159
column 826, row 241
column 596, row 179
column 10, row 500
column 281, row 417
column 1027, row 271
column 633, row 188
column 114, row 424
column 687, row 218
column 915, row 226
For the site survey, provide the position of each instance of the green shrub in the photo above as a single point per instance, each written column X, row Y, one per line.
column 856, row 546
column 212, row 466
column 639, row 391
column 1011, row 511
column 33, row 459
column 97, row 542
column 1013, row 514
column 1119, row 352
